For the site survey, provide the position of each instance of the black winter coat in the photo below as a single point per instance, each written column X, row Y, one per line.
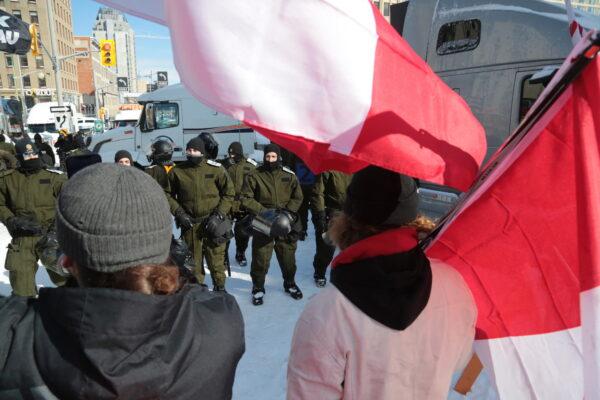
column 88, row 343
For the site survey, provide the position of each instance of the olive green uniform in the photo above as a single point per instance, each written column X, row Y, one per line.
column 328, row 195
column 277, row 189
column 160, row 173
column 8, row 147
column 238, row 173
column 33, row 195
column 200, row 190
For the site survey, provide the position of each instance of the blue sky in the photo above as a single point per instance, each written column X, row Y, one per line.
column 152, row 54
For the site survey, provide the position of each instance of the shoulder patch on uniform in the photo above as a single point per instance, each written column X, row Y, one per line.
column 56, row 171
column 214, row 163
column 251, row 161
column 289, row 171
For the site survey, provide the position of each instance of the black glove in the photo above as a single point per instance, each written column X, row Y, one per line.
column 183, row 259
column 320, row 221
column 49, row 251
column 23, row 226
column 183, row 220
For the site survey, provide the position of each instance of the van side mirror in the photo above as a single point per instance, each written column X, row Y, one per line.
column 149, row 117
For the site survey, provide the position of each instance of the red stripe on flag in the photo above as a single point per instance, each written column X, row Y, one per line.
column 573, row 27
column 402, row 130
column 531, row 242
column 432, row 135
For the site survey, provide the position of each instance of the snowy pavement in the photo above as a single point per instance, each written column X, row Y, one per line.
column 269, row 328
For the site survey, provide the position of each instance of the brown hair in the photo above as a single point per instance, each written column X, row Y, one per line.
column 148, row 279
column 345, row 231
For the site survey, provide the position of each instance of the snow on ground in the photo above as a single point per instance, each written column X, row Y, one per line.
column 269, row 328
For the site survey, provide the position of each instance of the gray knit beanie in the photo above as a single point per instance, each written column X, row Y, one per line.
column 110, row 217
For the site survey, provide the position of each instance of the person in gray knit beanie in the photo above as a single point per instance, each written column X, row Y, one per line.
column 111, row 217
column 125, row 326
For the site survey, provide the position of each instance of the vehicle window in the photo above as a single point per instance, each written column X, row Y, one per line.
column 166, row 115
column 39, row 128
column 529, row 94
column 458, row 36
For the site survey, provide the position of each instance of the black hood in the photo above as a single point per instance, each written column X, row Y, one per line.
column 108, row 343
column 391, row 289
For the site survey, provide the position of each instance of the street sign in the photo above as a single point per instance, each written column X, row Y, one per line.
column 162, row 76
column 162, row 79
column 123, row 83
column 64, row 117
column 98, row 126
column 61, row 109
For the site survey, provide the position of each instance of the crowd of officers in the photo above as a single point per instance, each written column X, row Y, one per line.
column 212, row 201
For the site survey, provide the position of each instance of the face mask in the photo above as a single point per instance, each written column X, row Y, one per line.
column 32, row 164
column 196, row 160
column 272, row 165
column 235, row 157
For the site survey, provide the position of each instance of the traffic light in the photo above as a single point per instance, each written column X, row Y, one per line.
column 35, row 41
column 108, row 55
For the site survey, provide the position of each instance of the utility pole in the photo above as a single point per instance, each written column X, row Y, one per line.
column 54, row 56
column 24, row 101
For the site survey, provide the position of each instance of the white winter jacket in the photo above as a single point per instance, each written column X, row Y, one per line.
column 340, row 352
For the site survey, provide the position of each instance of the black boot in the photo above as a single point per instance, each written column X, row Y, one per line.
column 240, row 257
column 217, row 288
column 257, row 296
column 293, row 290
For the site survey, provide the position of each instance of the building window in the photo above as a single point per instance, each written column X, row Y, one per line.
column 386, row 8
column 459, row 36
column 9, row 61
column 11, row 80
column 17, row 14
column 24, row 61
column 33, row 16
column 42, row 82
column 39, row 62
column 27, row 81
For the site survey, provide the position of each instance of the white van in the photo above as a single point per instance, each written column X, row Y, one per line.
column 172, row 114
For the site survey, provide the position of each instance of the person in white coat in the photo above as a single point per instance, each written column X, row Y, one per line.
column 394, row 324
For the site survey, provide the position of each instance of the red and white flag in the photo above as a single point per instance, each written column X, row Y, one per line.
column 330, row 80
column 527, row 241
column 575, row 30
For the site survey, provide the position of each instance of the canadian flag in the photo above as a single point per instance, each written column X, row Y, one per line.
column 329, row 80
column 527, row 241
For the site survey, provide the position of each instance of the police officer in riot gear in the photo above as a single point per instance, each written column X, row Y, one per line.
column 273, row 190
column 201, row 193
column 162, row 152
column 238, row 168
column 27, row 207
column 327, row 198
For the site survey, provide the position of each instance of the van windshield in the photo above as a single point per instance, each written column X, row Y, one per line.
column 39, row 128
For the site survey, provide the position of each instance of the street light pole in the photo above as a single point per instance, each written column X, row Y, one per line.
column 24, row 101
column 54, row 56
